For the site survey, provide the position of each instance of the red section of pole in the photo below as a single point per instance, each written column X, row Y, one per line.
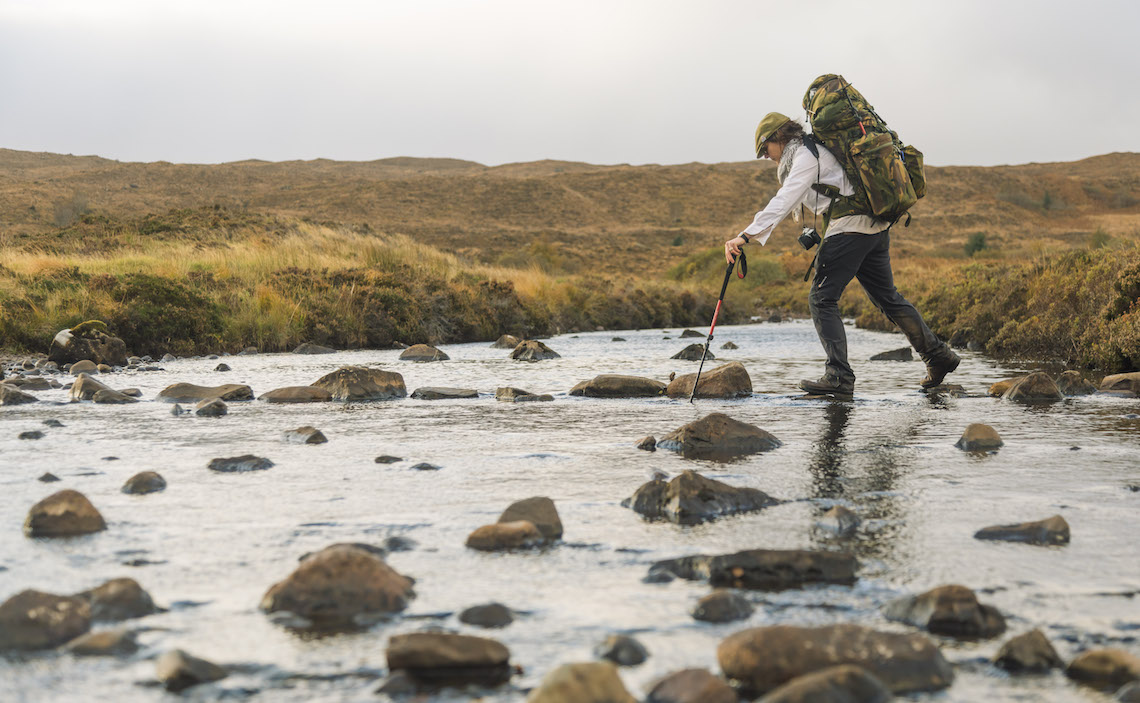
column 716, row 313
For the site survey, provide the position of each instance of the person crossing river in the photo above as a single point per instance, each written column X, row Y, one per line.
column 854, row 246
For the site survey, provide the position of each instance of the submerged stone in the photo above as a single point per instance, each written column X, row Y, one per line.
column 694, row 352
column 979, row 438
column 444, row 658
column 305, row 435
column 903, row 354
column 1050, row 531
column 491, row 615
column 1030, row 653
column 441, row 393
column 296, row 394
column 690, row 499
column 618, row 386
column 622, row 650
column 519, row 534
column 952, row 611
column 718, row 436
column 311, row 348
column 722, row 605
column 144, row 482
column 190, row 393
column 764, row 569
column 245, row 462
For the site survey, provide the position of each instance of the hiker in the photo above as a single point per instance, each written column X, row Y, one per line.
column 853, row 246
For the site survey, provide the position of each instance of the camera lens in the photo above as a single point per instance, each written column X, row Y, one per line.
column 809, row 238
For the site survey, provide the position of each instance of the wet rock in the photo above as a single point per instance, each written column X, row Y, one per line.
column 425, row 466
column 728, row 381
column 764, row 658
column 694, row 352
column 622, row 650
column 118, row 599
column 388, row 459
column 952, row 611
column 692, row 686
column 85, row 387
column 718, row 436
column 618, row 339
column 518, row 395
column 998, row 389
column 31, row 434
column 372, row 549
column 48, row 477
column 305, row 435
column 588, row 682
column 423, row 352
column 903, row 354
column 690, row 499
column 1104, row 668
column 339, row 585
column 10, row 395
column 726, row 345
column 84, row 366
column 296, row 394
column 440, row 393
column 248, row 351
column 775, row 317
column 111, row 397
column 539, row 511
column 618, row 386
column 1029, row 653
column 63, row 514
column 213, row 407
column 836, row 684
column 1050, row 531
column 1128, row 693
column 177, row 410
column 491, row 615
column 144, row 482
column 131, row 392
column 722, row 606
column 190, row 393
column 1122, row 382
column 105, row 643
column 399, row 543
column 32, row 383
column 764, row 569
column 648, row 443
column 1037, row 387
column 838, row 521
column 245, row 462
column 505, row 535
column 178, row 671
column 687, row 334
column 1072, row 383
column 222, row 367
column 310, row 348
column 533, row 350
column 88, row 341
column 443, row 658
column 397, row 685
column 104, row 368
column 979, row 438
column 361, row 383
column 167, row 358
column 507, row 341
column 37, row 620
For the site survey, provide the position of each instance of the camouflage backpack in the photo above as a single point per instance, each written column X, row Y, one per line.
column 887, row 177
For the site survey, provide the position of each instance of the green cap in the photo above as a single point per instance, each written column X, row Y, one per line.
column 767, row 127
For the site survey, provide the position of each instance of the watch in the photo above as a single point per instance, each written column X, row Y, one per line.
column 745, row 238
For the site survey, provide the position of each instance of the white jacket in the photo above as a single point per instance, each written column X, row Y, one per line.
column 797, row 190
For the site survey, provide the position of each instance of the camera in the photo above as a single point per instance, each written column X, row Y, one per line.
column 809, row 238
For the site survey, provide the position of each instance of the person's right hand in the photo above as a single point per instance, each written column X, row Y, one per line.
column 732, row 249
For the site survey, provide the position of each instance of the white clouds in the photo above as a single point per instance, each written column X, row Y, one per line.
column 509, row 80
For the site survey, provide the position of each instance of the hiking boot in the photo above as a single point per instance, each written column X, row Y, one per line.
column 830, row 386
column 937, row 369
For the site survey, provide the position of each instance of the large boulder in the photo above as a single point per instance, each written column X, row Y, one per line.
column 979, row 438
column 519, row 534
column 296, row 394
column 507, row 341
column 118, row 599
column 952, row 611
column 37, row 620
column 443, row 393
column 764, row 658
column 1030, row 653
column 63, row 514
column 764, row 569
column 442, row 658
column 1104, row 668
column 1050, row 531
column 837, row 684
column 587, row 682
column 1073, row 383
column 85, row 387
column 1122, row 382
column 190, row 393
column 1037, row 387
column 178, row 670
column 88, row 341
column 533, row 350
column 357, row 383
column 423, row 352
column 691, row 686
column 690, row 499
column 338, row 585
column 9, row 395
column 611, row 385
column 718, row 436
column 728, row 381
column 694, row 352
column 540, row 512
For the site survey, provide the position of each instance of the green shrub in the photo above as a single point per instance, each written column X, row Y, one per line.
column 1099, row 239
column 975, row 243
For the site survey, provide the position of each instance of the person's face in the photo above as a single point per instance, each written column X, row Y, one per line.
column 772, row 150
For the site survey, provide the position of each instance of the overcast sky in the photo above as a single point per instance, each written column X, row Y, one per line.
column 603, row 81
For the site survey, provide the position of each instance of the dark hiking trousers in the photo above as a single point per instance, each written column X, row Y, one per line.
column 866, row 257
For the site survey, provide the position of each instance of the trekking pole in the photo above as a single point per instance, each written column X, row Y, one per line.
column 716, row 313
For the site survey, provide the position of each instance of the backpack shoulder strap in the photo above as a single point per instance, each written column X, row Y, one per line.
column 812, row 145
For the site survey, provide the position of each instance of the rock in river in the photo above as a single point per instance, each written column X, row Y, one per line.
column 722, row 605
column 1072, row 383
column 730, row 346
column 622, row 650
column 358, row 383
column 178, row 670
column 691, row 333
column 88, row 341
column 1104, row 668
column 539, row 511
column 63, row 514
column 764, row 569
column 764, row 658
column 9, row 395
column 647, row 443
column 533, row 350
column 694, row 352
column 111, row 397
column 519, row 534
column 85, row 387
column 441, row 393
column 979, row 438
column 509, row 394
column 296, row 394
column 952, row 611
column 212, row 407
column 305, row 435
column 903, row 354
column 692, row 686
column 338, row 585
column 37, row 620
column 690, row 499
column 618, row 386
column 190, row 393
column 838, row 521
column 443, row 658
column 1037, row 387
column 83, row 366
column 423, row 352
column 1050, row 531
column 490, row 615
column 587, row 682
column 836, row 684
column 144, row 482
column 1122, row 382
column 717, row 436
column 105, row 643
column 728, row 381
column 1028, row 653
column 235, row 464
column 507, row 341
column 310, row 348
column 118, row 599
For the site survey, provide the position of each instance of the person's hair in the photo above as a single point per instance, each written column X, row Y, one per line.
column 787, row 132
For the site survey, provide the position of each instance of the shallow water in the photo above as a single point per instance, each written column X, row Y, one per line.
column 218, row 541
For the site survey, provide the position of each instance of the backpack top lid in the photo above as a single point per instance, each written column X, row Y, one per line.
column 833, row 105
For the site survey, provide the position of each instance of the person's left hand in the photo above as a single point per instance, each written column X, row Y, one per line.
column 732, row 249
